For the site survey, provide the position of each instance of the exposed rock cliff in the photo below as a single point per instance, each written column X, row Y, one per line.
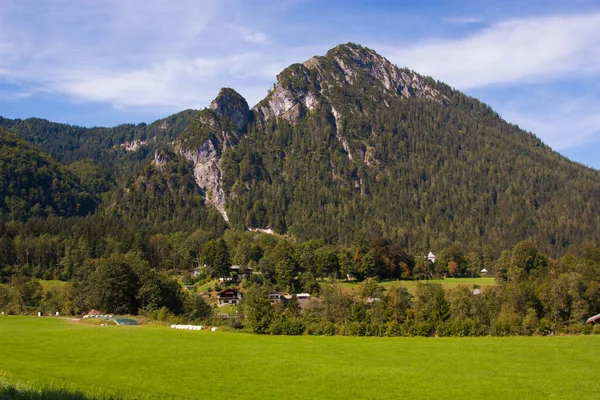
column 205, row 140
column 230, row 104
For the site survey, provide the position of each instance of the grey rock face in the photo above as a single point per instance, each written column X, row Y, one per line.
column 300, row 87
column 230, row 104
column 208, row 174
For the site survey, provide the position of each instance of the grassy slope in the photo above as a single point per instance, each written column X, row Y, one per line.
column 447, row 283
column 48, row 285
column 185, row 364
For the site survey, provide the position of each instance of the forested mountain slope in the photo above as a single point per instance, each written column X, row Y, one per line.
column 346, row 147
column 32, row 184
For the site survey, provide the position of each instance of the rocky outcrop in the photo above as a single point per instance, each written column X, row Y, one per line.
column 339, row 134
column 302, row 87
column 231, row 105
column 204, row 141
column 295, row 93
column 133, row 145
column 208, row 174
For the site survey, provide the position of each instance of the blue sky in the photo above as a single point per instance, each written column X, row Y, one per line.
column 114, row 61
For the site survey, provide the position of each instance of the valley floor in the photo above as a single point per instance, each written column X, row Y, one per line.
column 157, row 362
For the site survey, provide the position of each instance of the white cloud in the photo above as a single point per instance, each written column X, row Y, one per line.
column 524, row 54
column 178, row 83
column 135, row 53
column 519, row 50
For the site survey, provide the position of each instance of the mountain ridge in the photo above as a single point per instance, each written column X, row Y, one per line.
column 347, row 145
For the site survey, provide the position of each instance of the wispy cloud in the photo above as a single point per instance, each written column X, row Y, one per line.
column 129, row 54
column 178, row 83
column 519, row 50
column 563, row 120
column 463, row 20
column 250, row 35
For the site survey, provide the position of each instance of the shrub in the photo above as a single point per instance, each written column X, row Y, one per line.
column 321, row 329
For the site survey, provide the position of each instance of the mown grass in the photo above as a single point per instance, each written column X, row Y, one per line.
column 150, row 361
column 447, row 283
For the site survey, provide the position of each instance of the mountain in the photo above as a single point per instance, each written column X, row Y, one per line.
column 346, row 147
column 32, row 184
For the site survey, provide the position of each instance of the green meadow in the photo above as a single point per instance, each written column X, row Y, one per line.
column 447, row 283
column 159, row 362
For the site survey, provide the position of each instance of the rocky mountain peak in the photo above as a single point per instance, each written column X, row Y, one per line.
column 230, row 104
column 300, row 87
column 358, row 62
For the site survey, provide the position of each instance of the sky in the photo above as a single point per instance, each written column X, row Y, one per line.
column 106, row 62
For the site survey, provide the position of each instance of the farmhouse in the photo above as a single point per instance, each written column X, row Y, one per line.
column 228, row 297
column 276, row 297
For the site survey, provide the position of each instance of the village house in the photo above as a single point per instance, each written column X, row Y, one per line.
column 276, row 297
column 228, row 297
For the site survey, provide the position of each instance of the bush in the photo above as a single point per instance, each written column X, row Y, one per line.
column 286, row 327
column 355, row 329
column 458, row 327
column 393, row 329
column 321, row 329
column 545, row 327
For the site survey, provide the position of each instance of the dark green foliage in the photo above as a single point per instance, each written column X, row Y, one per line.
column 33, row 185
column 124, row 284
column 257, row 308
column 165, row 195
column 431, row 304
column 111, row 286
column 197, row 308
column 69, row 143
column 222, row 261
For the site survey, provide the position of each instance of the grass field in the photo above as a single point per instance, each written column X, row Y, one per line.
column 48, row 285
column 446, row 283
column 152, row 361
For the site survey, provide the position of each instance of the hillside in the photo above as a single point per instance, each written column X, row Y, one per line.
column 33, row 185
column 345, row 148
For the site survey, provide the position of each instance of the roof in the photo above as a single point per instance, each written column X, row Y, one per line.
column 228, row 293
column 484, row 271
column 593, row 319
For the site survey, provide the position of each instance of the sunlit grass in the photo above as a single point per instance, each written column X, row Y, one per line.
column 156, row 361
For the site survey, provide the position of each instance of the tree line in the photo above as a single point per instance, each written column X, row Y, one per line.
column 534, row 294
